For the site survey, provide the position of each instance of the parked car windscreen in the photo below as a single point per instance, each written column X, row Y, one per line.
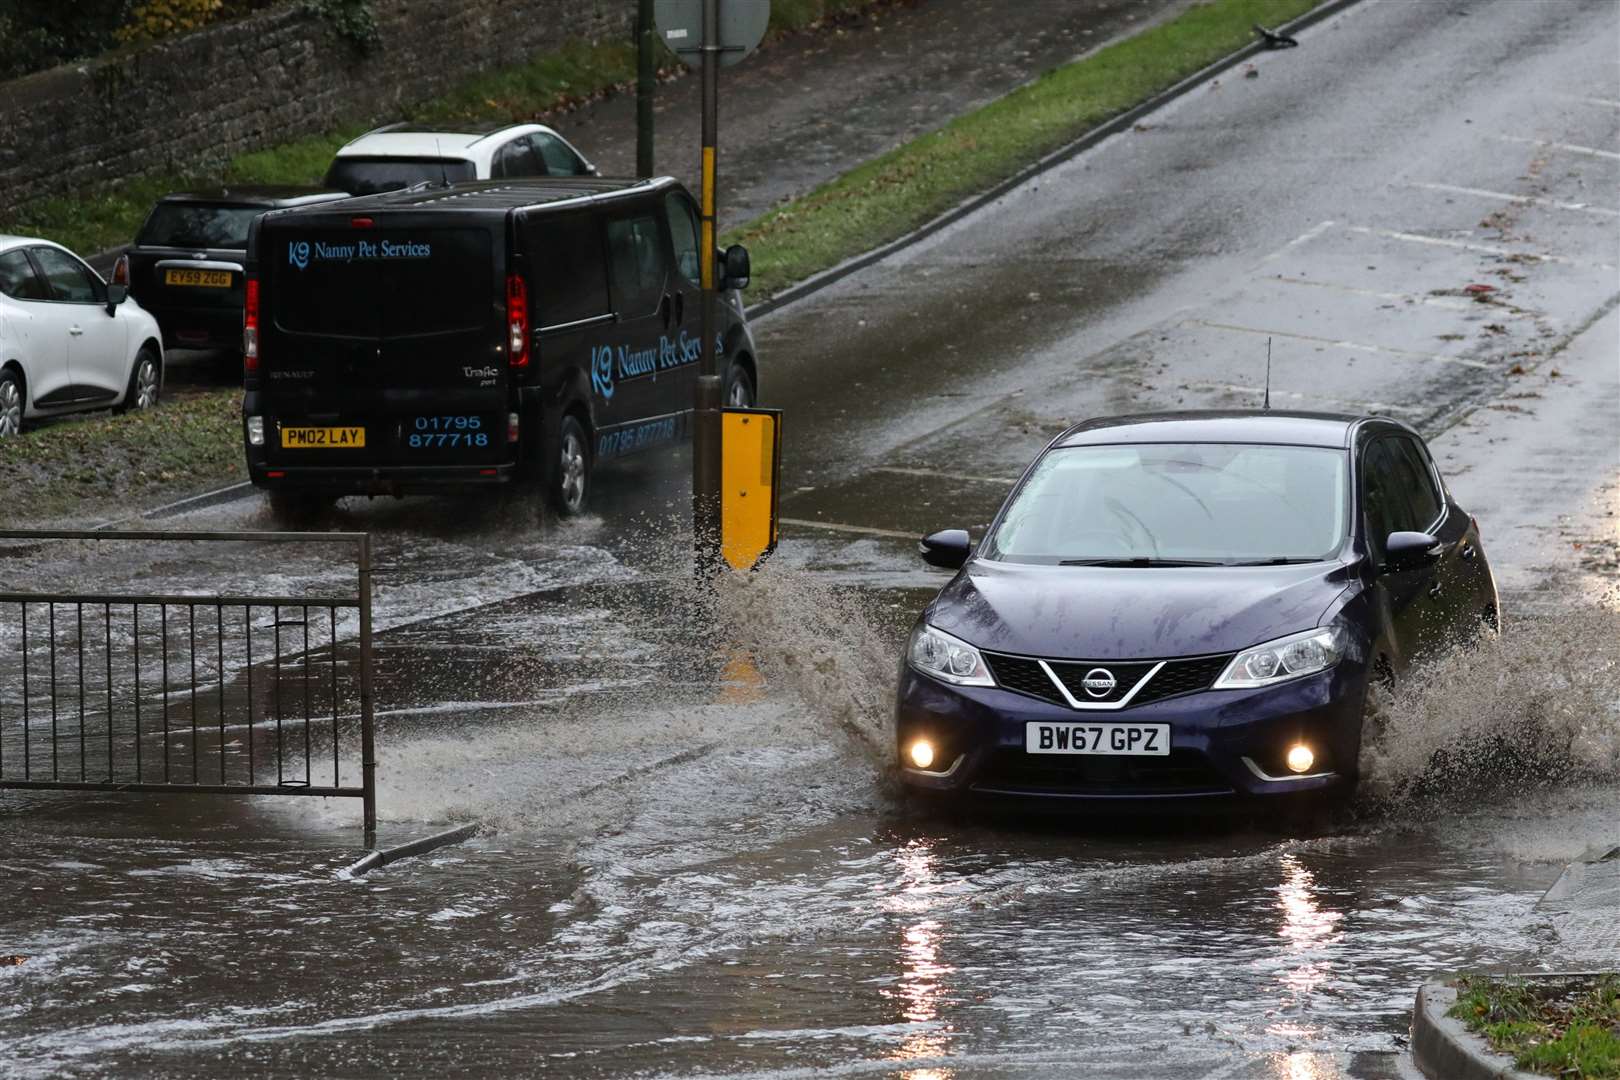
column 386, row 283
column 1217, row 502
column 198, row 225
column 367, row 176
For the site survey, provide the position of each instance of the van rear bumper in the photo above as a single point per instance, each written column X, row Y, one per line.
column 380, row 479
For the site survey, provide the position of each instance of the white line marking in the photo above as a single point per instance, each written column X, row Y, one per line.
column 1569, row 148
column 1303, row 238
column 1587, row 100
column 935, row 475
column 835, row 526
column 1483, row 249
column 1522, row 200
column 1450, row 303
column 1354, row 346
column 1259, row 392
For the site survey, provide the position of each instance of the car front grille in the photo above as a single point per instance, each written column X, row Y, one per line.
column 1024, row 675
column 1182, row 772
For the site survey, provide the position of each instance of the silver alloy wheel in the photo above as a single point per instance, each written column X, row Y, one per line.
column 739, row 397
column 11, row 409
column 146, row 383
column 571, row 481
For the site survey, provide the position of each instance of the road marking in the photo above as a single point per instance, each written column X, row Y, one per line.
column 1354, row 346
column 935, row 475
column 1259, row 392
column 1522, row 200
column 1303, row 238
column 836, row 526
column 1586, row 100
column 1448, row 302
column 1483, row 249
column 1568, row 148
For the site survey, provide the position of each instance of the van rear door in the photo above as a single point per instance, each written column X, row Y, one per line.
column 385, row 343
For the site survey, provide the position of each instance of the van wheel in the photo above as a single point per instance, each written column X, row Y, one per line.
column 569, row 488
column 142, row 392
column 11, row 404
column 739, row 388
column 298, row 509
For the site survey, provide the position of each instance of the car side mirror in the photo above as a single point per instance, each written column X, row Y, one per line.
column 735, row 268
column 1410, row 550
column 116, row 294
column 948, row 549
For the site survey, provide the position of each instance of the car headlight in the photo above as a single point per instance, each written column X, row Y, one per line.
column 949, row 659
column 1286, row 658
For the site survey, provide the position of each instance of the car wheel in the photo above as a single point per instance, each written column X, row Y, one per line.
column 11, row 404
column 144, row 383
column 739, row 388
column 569, row 488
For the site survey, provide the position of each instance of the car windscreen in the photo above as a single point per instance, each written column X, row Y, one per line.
column 383, row 283
column 368, row 176
column 198, row 225
column 1214, row 502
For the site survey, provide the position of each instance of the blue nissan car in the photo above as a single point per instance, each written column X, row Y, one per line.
column 1188, row 606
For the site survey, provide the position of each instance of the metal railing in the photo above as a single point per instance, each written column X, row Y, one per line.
column 181, row 692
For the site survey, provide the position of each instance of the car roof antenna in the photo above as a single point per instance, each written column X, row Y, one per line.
column 444, row 174
column 1267, row 403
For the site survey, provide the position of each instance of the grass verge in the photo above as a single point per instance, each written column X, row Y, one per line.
column 888, row 197
column 1566, row 1028
column 106, row 465
column 93, row 221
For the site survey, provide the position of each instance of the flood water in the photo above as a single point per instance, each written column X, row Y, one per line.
column 694, row 863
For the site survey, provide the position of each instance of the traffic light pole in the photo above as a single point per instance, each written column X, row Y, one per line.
column 706, row 403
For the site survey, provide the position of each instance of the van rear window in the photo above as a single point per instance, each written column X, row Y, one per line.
column 383, row 283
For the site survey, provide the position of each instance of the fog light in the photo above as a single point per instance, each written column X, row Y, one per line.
column 511, row 427
column 1300, row 758
column 255, row 430
column 922, row 753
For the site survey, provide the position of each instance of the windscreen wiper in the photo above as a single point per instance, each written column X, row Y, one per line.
column 1141, row 560
column 1281, row 560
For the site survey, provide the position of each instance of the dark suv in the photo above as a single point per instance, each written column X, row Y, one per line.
column 186, row 265
column 446, row 339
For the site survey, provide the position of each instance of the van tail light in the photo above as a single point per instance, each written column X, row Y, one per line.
column 517, row 321
column 120, row 271
column 250, row 326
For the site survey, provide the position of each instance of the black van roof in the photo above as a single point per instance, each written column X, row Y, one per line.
column 504, row 195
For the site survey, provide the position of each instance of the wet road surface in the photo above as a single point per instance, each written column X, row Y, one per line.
column 695, row 864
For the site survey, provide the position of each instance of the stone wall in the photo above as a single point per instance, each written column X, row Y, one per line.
column 189, row 105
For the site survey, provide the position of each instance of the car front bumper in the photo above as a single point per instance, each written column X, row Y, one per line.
column 1224, row 744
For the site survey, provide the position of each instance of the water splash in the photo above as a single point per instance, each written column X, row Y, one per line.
column 1535, row 706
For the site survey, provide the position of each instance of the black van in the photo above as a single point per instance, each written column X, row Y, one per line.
column 445, row 339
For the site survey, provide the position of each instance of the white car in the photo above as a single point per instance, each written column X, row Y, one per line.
column 68, row 340
column 400, row 155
